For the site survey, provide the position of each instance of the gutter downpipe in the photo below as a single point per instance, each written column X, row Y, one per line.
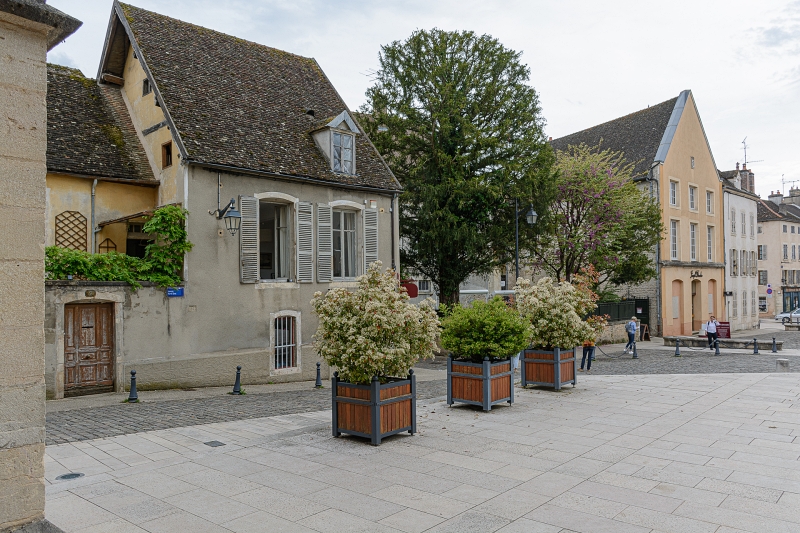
column 95, row 229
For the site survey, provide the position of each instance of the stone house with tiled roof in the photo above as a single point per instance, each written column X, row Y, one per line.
column 227, row 122
column 674, row 163
column 779, row 253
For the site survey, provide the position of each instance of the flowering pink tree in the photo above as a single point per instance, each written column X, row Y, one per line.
column 600, row 218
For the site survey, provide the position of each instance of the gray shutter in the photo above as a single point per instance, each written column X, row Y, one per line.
column 248, row 240
column 370, row 237
column 324, row 243
column 305, row 242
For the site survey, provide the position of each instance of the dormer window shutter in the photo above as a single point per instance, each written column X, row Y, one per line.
column 248, row 240
column 305, row 242
column 370, row 237
column 324, row 243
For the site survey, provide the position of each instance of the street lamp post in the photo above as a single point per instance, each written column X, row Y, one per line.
column 530, row 217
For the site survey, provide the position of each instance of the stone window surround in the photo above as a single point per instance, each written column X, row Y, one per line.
column 298, row 343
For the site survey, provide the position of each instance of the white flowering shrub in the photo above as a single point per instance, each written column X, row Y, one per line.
column 555, row 311
column 373, row 330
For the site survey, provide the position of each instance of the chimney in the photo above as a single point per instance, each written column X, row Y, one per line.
column 744, row 166
column 737, row 165
column 775, row 196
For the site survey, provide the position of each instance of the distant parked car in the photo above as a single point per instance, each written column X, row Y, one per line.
column 793, row 316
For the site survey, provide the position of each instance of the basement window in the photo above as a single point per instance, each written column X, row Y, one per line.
column 146, row 89
column 166, row 155
column 285, row 342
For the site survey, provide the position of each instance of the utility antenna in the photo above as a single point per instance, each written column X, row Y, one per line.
column 784, row 182
column 744, row 147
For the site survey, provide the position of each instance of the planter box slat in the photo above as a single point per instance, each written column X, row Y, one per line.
column 374, row 411
column 549, row 368
column 483, row 384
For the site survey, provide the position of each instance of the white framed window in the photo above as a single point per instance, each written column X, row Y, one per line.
column 286, row 342
column 762, row 277
column 753, row 264
column 692, row 162
column 709, row 202
column 752, row 226
column 792, row 229
column 744, row 224
column 693, row 198
column 785, row 228
column 734, row 307
column 794, row 253
column 744, row 303
column 274, row 240
column 710, row 243
column 734, row 257
column 786, row 252
column 743, row 263
column 343, row 151
column 673, row 193
column 762, row 252
column 673, row 239
column 424, row 286
column 762, row 304
column 345, row 244
column 760, row 229
column 733, row 221
column 693, row 242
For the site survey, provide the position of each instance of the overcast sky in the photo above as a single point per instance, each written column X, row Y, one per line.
column 590, row 61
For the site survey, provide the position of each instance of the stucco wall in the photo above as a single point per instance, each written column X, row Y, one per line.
column 746, row 315
column 23, row 126
column 676, row 275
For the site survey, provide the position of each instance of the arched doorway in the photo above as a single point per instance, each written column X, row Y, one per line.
column 677, row 308
column 697, row 316
column 712, row 300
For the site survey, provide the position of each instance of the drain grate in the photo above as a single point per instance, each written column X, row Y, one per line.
column 214, row 443
column 71, row 475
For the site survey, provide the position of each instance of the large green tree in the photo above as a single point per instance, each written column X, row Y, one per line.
column 599, row 218
column 461, row 128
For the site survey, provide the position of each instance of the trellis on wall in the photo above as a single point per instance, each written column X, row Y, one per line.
column 71, row 230
column 107, row 246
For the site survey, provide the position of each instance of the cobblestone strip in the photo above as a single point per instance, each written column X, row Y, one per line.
column 123, row 419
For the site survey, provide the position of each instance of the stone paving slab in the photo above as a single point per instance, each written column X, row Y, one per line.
column 716, row 453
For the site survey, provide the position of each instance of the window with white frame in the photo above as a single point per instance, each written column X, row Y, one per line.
column 744, row 224
column 752, row 225
column 734, row 310
column 345, row 241
column 743, row 263
column 753, row 303
column 692, row 198
column 709, row 202
column 753, row 264
column 733, row 221
column 693, row 242
column 762, row 304
column 673, row 239
column 786, row 252
column 794, row 253
column 343, row 152
column 744, row 303
column 762, row 252
column 275, row 241
column 734, row 257
column 792, row 229
column 710, row 243
column 760, row 228
column 285, row 331
column 424, row 285
column 673, row 193
column 762, row 277
column 785, row 228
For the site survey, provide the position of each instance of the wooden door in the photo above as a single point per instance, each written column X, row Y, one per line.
column 88, row 348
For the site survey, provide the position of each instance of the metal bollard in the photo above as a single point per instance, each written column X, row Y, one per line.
column 782, row 365
column 133, row 397
column 716, row 346
column 774, row 346
column 318, row 383
column 237, row 386
column 677, row 347
column 755, row 346
column 635, row 353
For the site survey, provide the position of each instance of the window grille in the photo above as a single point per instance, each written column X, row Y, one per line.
column 424, row 285
column 71, row 230
column 107, row 246
column 285, row 342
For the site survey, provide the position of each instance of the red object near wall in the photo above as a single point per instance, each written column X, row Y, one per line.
column 724, row 330
column 411, row 287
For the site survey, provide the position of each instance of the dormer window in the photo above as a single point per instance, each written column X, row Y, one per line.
column 342, row 152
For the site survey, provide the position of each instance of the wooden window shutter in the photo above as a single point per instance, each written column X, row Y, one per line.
column 324, row 243
column 370, row 237
column 305, row 242
column 248, row 240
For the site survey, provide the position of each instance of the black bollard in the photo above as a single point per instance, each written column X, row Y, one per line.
column 677, row 347
column 133, row 397
column 635, row 353
column 755, row 346
column 716, row 346
column 774, row 346
column 237, row 386
column 318, row 383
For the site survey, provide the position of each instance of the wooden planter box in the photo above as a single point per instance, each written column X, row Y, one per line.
column 374, row 411
column 484, row 384
column 552, row 368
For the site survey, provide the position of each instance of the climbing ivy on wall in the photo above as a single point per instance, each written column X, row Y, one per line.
column 162, row 263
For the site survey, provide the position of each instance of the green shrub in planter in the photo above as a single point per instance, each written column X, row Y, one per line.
column 485, row 329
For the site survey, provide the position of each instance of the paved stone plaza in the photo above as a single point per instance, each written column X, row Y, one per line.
column 662, row 453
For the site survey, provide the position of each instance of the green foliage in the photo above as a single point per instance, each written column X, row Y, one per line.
column 465, row 137
column 608, row 296
column 161, row 265
column 599, row 218
column 486, row 329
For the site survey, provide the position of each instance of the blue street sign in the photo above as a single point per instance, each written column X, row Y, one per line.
column 174, row 292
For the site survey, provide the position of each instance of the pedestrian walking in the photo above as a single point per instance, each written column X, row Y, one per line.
column 711, row 331
column 630, row 329
column 588, row 355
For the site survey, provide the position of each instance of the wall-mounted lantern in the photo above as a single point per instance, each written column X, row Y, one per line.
column 229, row 213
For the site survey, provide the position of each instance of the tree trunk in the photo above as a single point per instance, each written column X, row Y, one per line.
column 449, row 299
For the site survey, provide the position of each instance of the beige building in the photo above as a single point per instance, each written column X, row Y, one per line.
column 28, row 29
column 240, row 121
column 779, row 253
column 674, row 164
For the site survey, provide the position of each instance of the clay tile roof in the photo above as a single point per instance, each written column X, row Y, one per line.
column 637, row 135
column 244, row 105
column 87, row 131
column 727, row 174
